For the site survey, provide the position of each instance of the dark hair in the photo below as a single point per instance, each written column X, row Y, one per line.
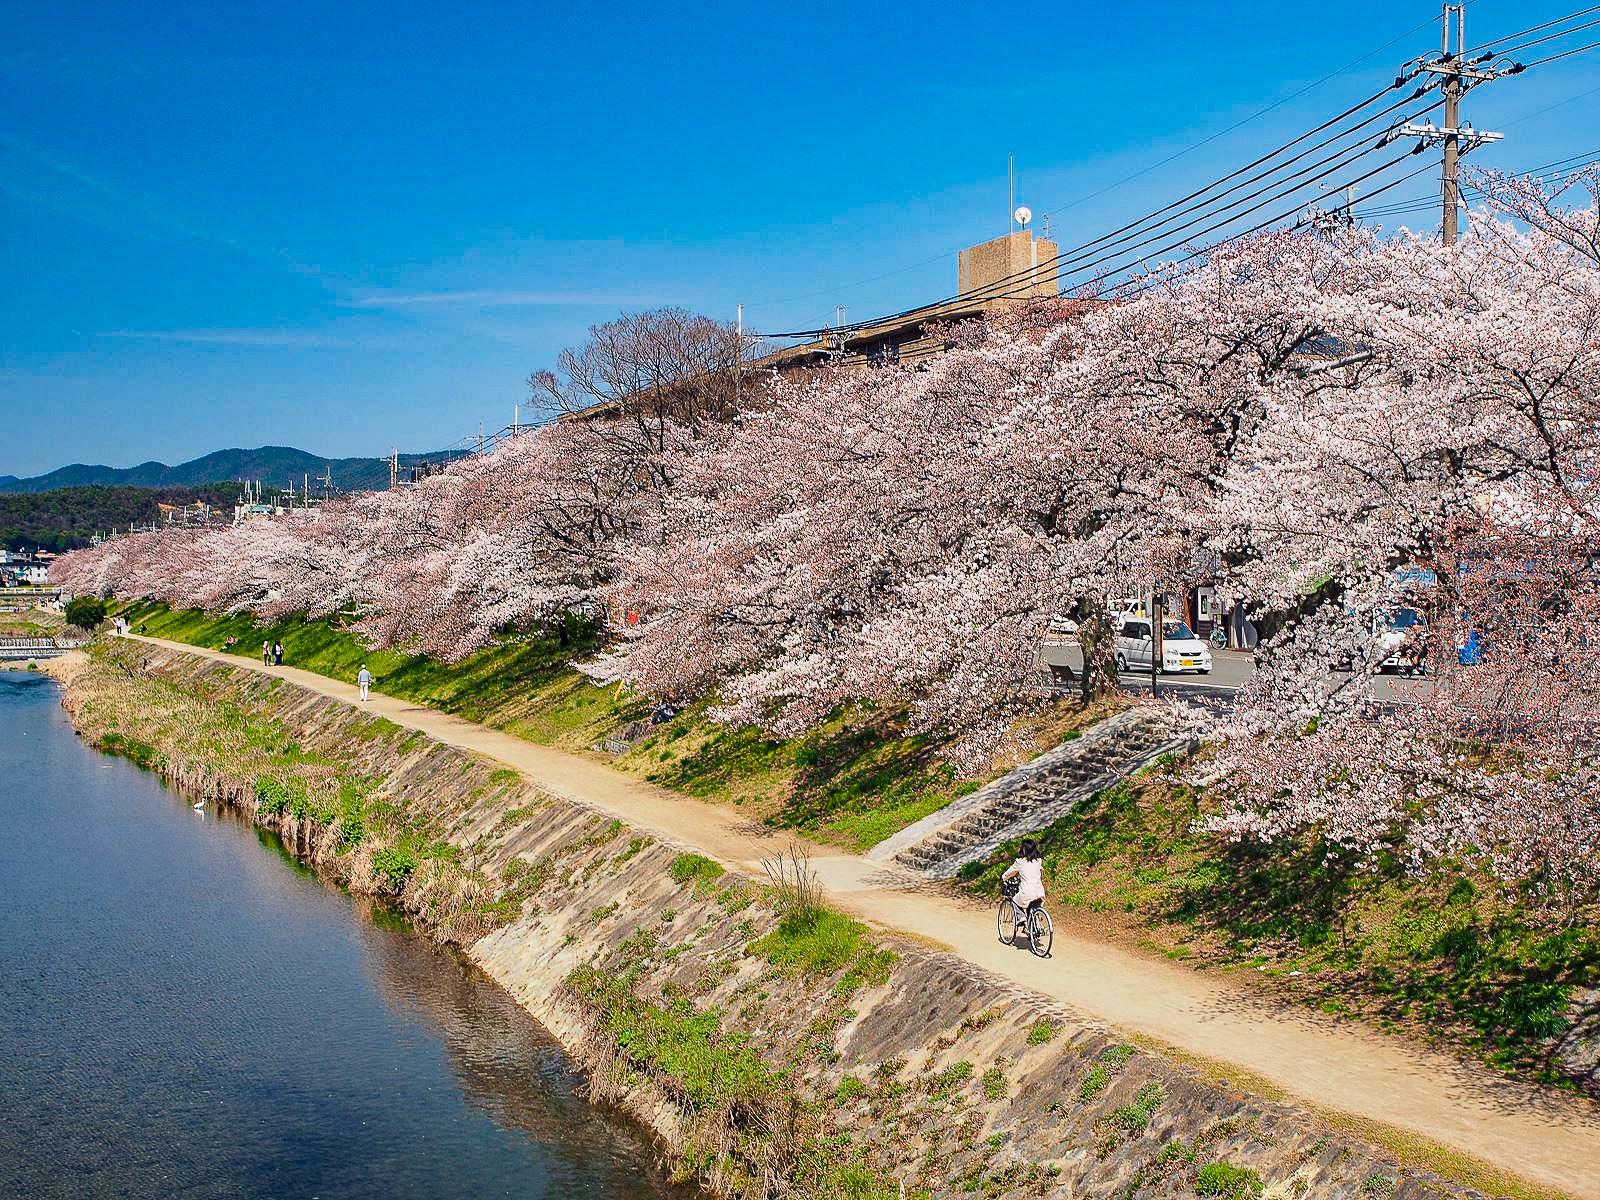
column 1030, row 849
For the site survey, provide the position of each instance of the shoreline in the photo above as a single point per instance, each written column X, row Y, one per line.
column 929, row 1008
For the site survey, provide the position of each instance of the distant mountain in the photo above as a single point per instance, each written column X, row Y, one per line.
column 274, row 466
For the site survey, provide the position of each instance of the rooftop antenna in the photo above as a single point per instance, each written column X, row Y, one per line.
column 1011, row 181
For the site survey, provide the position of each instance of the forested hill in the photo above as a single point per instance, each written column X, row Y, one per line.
column 274, row 466
column 67, row 518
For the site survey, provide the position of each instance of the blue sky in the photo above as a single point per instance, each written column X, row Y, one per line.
column 345, row 227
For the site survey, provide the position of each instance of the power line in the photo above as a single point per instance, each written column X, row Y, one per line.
column 1539, row 62
column 1549, row 37
column 1152, row 280
column 1135, row 225
column 1257, row 115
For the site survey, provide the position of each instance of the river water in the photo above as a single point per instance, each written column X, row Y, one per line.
column 187, row 1012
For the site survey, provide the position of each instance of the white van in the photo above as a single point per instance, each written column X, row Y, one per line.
column 1181, row 650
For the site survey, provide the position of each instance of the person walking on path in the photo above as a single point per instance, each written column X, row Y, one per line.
column 277, row 654
column 266, row 654
column 364, row 678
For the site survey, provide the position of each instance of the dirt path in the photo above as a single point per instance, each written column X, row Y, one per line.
column 1548, row 1138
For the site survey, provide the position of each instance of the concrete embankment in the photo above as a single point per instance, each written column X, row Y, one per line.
column 779, row 1050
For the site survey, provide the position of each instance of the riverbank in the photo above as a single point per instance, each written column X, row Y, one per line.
column 1453, row 961
column 192, row 1012
column 758, row 1042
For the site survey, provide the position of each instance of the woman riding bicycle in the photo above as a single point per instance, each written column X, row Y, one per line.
column 1028, row 870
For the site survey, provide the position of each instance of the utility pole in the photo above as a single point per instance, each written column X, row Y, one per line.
column 738, row 362
column 1155, row 640
column 839, row 333
column 1457, row 76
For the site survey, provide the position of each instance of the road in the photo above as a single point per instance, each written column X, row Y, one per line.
column 1230, row 670
column 1344, row 1070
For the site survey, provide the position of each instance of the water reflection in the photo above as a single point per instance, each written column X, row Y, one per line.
column 184, row 1015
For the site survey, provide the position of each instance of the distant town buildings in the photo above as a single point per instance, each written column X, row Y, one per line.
column 19, row 568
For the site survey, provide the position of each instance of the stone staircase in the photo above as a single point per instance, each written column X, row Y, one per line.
column 1033, row 796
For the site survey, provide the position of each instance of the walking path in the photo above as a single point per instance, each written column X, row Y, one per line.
column 1545, row 1137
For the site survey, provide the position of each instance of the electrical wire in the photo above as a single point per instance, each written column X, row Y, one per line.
column 1506, row 37
column 1257, row 115
column 1510, row 50
column 1032, row 271
column 1539, row 62
column 1153, row 280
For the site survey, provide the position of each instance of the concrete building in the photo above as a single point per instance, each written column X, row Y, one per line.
column 1012, row 270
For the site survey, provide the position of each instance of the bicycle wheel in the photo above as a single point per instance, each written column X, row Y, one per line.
column 1041, row 932
column 1005, row 923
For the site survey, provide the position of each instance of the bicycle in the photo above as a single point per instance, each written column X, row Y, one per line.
column 1218, row 637
column 1013, row 919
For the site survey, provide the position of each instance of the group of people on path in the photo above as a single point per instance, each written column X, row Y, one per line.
column 272, row 656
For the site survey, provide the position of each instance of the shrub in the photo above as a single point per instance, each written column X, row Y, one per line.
column 796, row 889
column 1228, row 1181
column 271, row 796
column 394, row 864
column 351, row 830
column 1135, row 1118
column 85, row 612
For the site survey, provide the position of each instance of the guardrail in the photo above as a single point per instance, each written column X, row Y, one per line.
column 18, row 648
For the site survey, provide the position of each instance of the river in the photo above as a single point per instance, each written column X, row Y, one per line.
column 185, row 1011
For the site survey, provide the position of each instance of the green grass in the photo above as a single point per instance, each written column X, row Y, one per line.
column 708, row 1067
column 696, row 869
column 853, row 781
column 1228, row 1181
column 1042, row 1031
column 1448, row 954
column 817, row 943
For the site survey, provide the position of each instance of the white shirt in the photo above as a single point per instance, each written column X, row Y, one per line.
column 1031, row 872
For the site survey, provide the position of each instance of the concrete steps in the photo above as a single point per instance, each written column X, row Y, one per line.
column 1033, row 796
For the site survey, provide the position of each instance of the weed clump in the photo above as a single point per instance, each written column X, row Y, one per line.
column 695, row 869
column 994, row 1083
column 1229, row 1182
column 394, row 865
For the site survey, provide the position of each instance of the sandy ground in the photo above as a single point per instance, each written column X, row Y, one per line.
column 1548, row 1138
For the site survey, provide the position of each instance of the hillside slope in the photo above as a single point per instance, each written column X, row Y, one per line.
column 66, row 518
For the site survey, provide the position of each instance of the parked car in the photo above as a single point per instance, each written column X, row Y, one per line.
column 1402, row 638
column 1181, row 649
column 1062, row 628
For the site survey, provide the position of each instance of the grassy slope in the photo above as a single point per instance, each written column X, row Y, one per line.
column 852, row 782
column 1450, row 954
